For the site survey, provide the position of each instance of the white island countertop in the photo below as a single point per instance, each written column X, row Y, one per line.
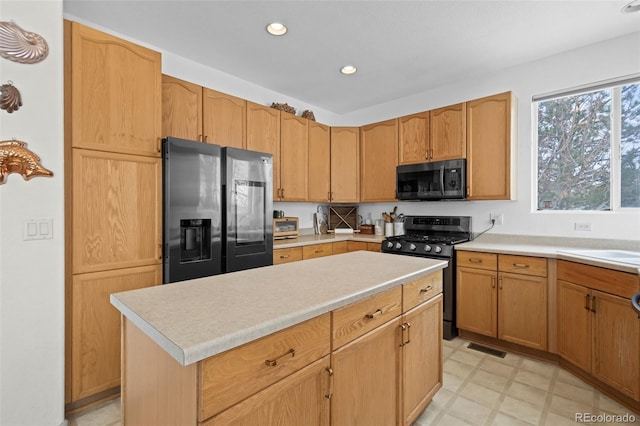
column 195, row 319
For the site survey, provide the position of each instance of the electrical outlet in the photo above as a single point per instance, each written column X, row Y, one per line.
column 582, row 226
column 497, row 217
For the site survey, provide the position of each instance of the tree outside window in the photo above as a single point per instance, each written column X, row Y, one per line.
column 589, row 150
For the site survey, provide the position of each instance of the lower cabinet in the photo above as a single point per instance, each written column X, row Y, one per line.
column 598, row 331
column 362, row 245
column 293, row 254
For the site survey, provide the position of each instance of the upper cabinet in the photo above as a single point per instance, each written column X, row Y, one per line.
column 448, row 133
column 413, row 138
column 378, row 161
column 345, row 164
column 181, row 109
column 263, row 135
column 193, row 112
column 294, row 158
column 319, row 163
column 116, row 94
column 491, row 147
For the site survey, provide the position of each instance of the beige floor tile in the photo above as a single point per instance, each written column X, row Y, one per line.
column 566, row 377
column 575, row 393
column 495, row 366
column 606, row 404
column 480, row 394
column 106, row 414
column 521, row 410
column 558, row 420
column 442, row 397
column 538, row 367
column 468, row 410
column 455, row 343
column 457, row 368
column 512, row 359
column 447, row 351
column 449, row 420
column 489, row 380
column 502, row 419
column 451, row 382
column 428, row 416
column 468, row 356
column 533, row 379
column 568, row 408
column 527, row 393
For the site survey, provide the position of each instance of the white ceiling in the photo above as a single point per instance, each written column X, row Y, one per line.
column 400, row 47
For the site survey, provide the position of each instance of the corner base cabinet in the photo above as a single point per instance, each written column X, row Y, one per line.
column 374, row 361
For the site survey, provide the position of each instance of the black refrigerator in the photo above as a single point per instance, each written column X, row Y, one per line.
column 216, row 209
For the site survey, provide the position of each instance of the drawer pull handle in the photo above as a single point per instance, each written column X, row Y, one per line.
column 586, row 302
column 520, row 265
column 274, row 362
column 318, row 251
column 475, row 260
column 285, row 256
column 329, row 393
column 376, row 313
column 426, row 290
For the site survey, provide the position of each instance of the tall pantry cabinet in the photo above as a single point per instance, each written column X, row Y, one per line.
column 113, row 199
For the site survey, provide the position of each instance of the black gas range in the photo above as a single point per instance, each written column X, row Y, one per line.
column 434, row 237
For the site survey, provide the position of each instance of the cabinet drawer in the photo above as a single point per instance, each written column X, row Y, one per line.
column 232, row 376
column 478, row 260
column 361, row 317
column 356, row 245
column 374, row 247
column 421, row 290
column 622, row 284
column 317, row 250
column 287, row 255
column 523, row 265
column 339, row 247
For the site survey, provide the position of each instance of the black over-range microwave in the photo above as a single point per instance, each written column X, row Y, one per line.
column 438, row 180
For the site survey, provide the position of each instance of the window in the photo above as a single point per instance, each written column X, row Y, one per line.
column 589, row 148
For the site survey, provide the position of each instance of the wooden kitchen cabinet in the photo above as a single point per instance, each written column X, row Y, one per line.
column 339, row 247
column 378, row 161
column 598, row 331
column 362, row 245
column 286, row 255
column 294, row 158
column 504, row 297
column 345, row 164
column 95, row 327
column 317, row 250
column 319, row 162
column 491, row 147
column 263, row 135
column 196, row 113
column 115, row 93
column 447, row 133
column 413, row 138
column 117, row 200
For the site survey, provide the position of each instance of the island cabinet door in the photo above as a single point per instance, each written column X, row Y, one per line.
column 300, row 399
column 365, row 379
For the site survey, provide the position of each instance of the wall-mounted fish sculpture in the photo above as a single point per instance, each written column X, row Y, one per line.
column 10, row 99
column 16, row 158
column 21, row 46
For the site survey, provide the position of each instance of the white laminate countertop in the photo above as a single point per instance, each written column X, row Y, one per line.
column 553, row 247
column 305, row 240
column 193, row 320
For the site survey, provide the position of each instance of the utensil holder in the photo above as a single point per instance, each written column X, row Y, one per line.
column 388, row 229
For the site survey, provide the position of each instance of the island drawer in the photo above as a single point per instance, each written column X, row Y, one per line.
column 229, row 377
column 478, row 260
column 359, row 318
column 421, row 290
column 286, row 255
column 525, row 265
column 317, row 250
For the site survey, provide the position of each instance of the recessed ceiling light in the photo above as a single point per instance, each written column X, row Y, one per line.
column 276, row 29
column 631, row 7
column 348, row 69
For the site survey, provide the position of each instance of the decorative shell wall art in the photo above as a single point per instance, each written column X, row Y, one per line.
column 16, row 158
column 10, row 99
column 21, row 46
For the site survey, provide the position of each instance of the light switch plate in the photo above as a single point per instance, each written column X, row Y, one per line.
column 38, row 229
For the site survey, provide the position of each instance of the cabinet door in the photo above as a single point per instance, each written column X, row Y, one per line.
column 477, row 300
column 421, row 355
column 413, row 138
column 616, row 343
column 489, row 136
column 365, row 380
column 522, row 310
column 345, row 164
column 263, row 135
column 117, row 219
column 574, row 324
column 224, row 119
column 378, row 161
column 95, row 335
column 300, row 399
column 294, row 158
column 181, row 109
column 319, row 162
column 448, row 133
column 116, row 94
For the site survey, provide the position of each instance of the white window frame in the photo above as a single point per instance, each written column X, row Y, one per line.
column 615, row 178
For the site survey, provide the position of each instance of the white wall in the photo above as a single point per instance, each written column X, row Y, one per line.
column 32, row 272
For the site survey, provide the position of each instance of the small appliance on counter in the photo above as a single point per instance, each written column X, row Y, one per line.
column 285, row 227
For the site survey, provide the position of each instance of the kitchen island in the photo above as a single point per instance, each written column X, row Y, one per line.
column 276, row 344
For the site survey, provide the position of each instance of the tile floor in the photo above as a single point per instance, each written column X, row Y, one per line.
column 479, row 389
